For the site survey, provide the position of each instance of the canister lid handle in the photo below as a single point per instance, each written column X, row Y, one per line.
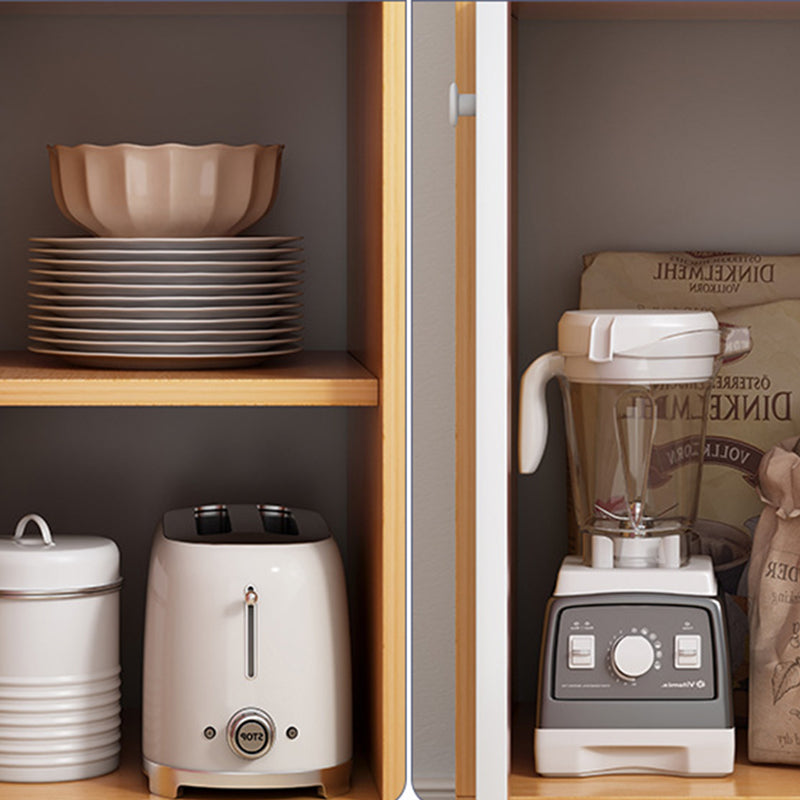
column 44, row 530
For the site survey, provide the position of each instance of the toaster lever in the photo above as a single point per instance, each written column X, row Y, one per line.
column 250, row 600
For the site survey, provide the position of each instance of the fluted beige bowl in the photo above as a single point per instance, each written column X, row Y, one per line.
column 165, row 189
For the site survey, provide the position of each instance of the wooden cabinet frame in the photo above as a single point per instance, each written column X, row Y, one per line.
column 748, row 780
column 369, row 379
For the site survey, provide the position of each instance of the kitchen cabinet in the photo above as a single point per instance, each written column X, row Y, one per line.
column 600, row 126
column 325, row 428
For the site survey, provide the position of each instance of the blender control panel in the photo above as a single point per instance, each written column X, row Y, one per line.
column 636, row 652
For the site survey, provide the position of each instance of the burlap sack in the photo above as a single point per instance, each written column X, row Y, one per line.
column 774, row 600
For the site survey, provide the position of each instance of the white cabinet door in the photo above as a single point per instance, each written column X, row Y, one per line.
column 492, row 399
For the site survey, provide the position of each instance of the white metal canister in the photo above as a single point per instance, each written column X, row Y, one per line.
column 59, row 656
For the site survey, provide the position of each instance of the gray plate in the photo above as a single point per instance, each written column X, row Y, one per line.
column 166, row 323
column 138, row 265
column 122, row 308
column 164, row 362
column 199, row 292
column 71, row 254
column 266, row 336
column 181, row 243
column 187, row 278
column 142, row 348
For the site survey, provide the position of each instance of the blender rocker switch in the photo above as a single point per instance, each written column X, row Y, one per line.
column 581, row 652
column 687, row 652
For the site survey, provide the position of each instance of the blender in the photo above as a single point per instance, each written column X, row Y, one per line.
column 634, row 668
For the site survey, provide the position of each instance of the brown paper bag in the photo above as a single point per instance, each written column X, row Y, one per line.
column 753, row 402
column 774, row 610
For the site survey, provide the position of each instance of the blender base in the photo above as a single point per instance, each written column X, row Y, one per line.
column 696, row 578
column 561, row 752
column 634, row 673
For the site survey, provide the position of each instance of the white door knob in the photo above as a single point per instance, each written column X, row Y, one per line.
column 461, row 105
column 632, row 657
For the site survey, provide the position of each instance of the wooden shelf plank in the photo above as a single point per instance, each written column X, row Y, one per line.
column 130, row 783
column 752, row 781
column 318, row 378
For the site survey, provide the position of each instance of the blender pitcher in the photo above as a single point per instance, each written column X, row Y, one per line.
column 635, row 386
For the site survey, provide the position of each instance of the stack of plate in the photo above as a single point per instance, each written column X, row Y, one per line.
column 166, row 303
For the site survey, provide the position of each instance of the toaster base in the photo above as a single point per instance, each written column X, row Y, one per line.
column 167, row 781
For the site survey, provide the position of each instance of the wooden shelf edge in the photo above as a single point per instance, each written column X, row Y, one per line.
column 312, row 378
column 749, row 781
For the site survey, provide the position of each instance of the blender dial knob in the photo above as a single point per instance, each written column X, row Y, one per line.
column 632, row 656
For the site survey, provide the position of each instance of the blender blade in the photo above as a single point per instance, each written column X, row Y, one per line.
column 635, row 431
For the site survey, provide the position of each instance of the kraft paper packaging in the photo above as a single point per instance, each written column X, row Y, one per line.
column 753, row 400
column 774, row 595
column 712, row 281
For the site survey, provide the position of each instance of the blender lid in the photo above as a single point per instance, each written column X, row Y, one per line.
column 602, row 335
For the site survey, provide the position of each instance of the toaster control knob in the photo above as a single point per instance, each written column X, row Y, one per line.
column 632, row 657
column 251, row 733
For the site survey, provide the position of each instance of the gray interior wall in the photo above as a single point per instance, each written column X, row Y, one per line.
column 150, row 78
column 114, row 472
column 637, row 135
column 239, row 78
column 433, row 399
column 69, row 78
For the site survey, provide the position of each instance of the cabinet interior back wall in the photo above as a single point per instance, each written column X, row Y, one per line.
column 114, row 472
column 326, row 80
column 103, row 74
column 236, row 78
column 101, row 77
column 635, row 135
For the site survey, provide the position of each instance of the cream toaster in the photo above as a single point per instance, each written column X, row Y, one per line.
column 247, row 678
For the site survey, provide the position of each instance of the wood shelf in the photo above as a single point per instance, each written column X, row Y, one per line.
column 130, row 783
column 752, row 781
column 317, row 378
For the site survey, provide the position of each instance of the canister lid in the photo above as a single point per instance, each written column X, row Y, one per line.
column 32, row 560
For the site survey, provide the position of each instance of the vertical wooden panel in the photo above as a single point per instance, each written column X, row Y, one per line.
column 393, row 400
column 512, row 322
column 465, row 410
column 376, row 336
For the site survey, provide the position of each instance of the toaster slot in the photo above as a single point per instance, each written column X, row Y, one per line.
column 211, row 520
column 250, row 629
column 278, row 520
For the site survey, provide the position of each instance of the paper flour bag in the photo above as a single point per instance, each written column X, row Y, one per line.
column 691, row 279
column 753, row 402
column 774, row 595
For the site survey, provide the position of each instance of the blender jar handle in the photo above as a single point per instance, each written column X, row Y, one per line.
column 533, row 409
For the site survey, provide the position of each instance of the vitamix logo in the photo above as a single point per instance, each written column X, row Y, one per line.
column 701, row 684
column 714, row 273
